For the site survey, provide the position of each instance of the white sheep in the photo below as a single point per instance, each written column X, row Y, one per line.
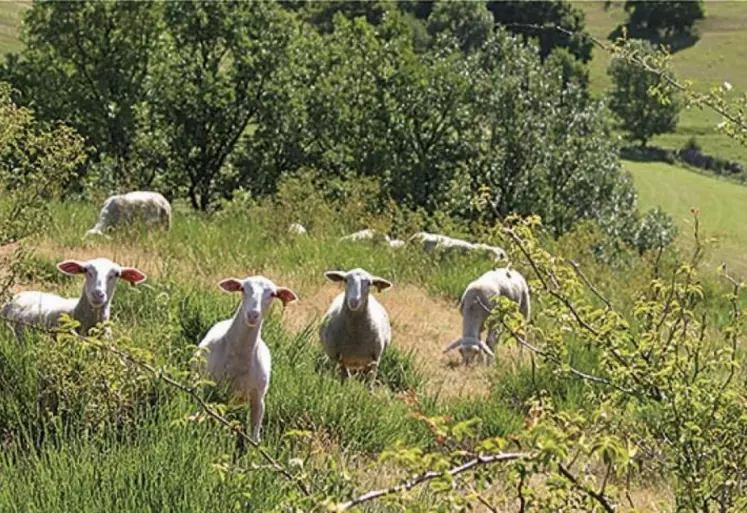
column 297, row 229
column 236, row 354
column 355, row 331
column 433, row 242
column 367, row 234
column 148, row 207
column 396, row 243
column 475, row 306
column 92, row 307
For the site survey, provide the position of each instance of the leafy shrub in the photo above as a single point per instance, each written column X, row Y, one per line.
column 656, row 231
column 644, row 101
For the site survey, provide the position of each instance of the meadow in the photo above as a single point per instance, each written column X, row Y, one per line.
column 721, row 204
column 73, row 419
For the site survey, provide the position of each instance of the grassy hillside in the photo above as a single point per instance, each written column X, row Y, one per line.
column 11, row 17
column 721, row 204
column 101, row 423
column 715, row 58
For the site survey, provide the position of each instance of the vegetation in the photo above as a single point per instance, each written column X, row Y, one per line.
column 629, row 376
column 215, row 102
column 665, row 18
column 642, row 99
column 707, row 64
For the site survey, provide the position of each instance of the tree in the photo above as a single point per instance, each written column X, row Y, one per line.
column 469, row 22
column 86, row 63
column 643, row 100
column 668, row 18
column 216, row 69
column 517, row 16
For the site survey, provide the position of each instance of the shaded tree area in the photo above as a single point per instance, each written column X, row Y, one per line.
column 670, row 23
column 212, row 98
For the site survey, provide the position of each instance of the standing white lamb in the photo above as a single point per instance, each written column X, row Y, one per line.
column 236, row 354
column 355, row 331
column 92, row 307
column 148, row 207
column 475, row 306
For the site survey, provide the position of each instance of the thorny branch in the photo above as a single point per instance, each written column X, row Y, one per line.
column 429, row 476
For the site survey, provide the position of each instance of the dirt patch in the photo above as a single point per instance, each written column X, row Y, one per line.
column 420, row 322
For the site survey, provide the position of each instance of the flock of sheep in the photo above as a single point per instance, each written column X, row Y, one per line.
column 354, row 332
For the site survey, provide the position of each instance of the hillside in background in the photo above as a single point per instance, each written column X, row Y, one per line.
column 715, row 58
column 721, row 206
column 11, row 18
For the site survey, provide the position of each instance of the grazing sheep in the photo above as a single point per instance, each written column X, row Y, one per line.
column 149, row 207
column 355, row 330
column 433, row 242
column 475, row 304
column 297, row 229
column 236, row 353
column 367, row 234
column 93, row 306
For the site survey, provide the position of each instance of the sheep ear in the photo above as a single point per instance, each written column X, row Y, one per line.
column 336, row 275
column 285, row 295
column 381, row 283
column 72, row 267
column 453, row 345
column 231, row 285
column 132, row 275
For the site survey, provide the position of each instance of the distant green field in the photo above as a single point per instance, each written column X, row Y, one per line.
column 718, row 56
column 11, row 17
column 722, row 208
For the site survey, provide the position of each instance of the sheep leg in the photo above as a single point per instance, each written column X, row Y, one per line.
column 490, row 341
column 258, row 413
column 344, row 373
column 373, row 370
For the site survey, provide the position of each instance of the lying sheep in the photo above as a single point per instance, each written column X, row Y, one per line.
column 297, row 229
column 367, row 234
column 355, row 330
column 236, row 354
column 396, row 243
column 433, row 242
column 148, row 207
column 92, row 307
column 475, row 306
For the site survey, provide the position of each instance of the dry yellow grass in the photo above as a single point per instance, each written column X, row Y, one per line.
column 420, row 322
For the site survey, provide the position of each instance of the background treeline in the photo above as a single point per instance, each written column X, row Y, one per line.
column 436, row 103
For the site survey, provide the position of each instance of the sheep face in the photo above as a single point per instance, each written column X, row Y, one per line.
column 357, row 286
column 469, row 354
column 101, row 276
column 469, row 348
column 257, row 295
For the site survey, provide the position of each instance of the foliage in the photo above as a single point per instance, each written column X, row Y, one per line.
column 469, row 22
column 656, row 231
column 644, row 101
column 220, row 60
column 669, row 18
column 523, row 17
column 93, row 79
column 35, row 165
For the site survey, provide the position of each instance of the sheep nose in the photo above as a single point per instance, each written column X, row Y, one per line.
column 252, row 317
column 354, row 303
column 99, row 295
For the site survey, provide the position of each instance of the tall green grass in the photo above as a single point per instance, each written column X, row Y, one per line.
column 82, row 432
